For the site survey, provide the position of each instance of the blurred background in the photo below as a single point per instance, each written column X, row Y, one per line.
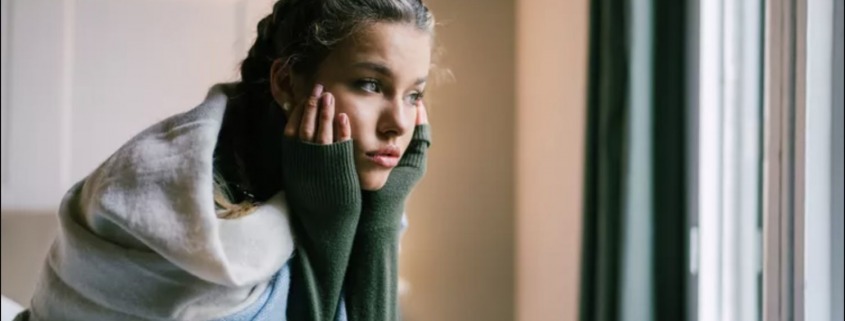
column 592, row 159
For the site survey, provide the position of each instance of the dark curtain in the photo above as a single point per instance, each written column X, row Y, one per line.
column 607, row 158
column 669, row 159
column 607, row 119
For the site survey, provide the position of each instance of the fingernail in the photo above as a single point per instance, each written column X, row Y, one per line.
column 343, row 119
column 318, row 89
column 330, row 99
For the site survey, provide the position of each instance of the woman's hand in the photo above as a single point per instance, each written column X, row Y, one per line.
column 422, row 115
column 371, row 278
column 324, row 196
column 314, row 120
column 318, row 164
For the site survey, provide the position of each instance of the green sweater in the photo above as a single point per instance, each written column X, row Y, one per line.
column 347, row 239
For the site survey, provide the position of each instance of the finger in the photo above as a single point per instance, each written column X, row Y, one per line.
column 422, row 115
column 325, row 130
column 309, row 115
column 294, row 119
column 336, row 123
column 344, row 129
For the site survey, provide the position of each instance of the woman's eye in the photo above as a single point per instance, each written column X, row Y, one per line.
column 415, row 98
column 369, row 85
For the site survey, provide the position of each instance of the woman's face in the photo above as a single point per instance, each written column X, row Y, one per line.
column 377, row 78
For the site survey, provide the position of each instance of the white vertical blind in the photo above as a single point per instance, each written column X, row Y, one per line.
column 729, row 160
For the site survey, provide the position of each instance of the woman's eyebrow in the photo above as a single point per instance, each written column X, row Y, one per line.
column 384, row 70
column 379, row 68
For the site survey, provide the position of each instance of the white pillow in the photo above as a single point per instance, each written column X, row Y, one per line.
column 9, row 309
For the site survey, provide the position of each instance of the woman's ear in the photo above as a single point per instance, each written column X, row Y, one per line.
column 281, row 85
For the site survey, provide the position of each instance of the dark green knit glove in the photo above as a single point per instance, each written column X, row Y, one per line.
column 372, row 276
column 324, row 195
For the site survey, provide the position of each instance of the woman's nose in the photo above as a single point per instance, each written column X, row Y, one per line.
column 396, row 118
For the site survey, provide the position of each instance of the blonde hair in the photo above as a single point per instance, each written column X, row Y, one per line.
column 224, row 207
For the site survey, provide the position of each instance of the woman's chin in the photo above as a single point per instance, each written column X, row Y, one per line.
column 373, row 181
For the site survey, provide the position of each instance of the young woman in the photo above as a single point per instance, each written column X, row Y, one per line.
column 280, row 197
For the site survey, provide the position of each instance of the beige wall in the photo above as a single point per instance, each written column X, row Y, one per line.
column 458, row 254
column 495, row 225
column 551, row 98
column 26, row 238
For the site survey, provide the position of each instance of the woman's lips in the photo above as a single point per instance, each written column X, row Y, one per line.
column 386, row 157
column 382, row 160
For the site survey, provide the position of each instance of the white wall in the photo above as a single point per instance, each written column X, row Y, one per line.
column 80, row 77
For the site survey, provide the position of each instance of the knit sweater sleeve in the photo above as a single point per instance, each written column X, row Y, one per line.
column 323, row 193
column 372, row 276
